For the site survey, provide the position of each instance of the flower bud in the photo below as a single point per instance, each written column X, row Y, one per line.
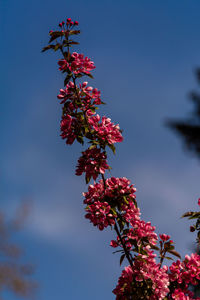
column 192, row 229
column 76, row 23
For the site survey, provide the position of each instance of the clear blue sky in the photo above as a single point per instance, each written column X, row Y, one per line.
column 145, row 53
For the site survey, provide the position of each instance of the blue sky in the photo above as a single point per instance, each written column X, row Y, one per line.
column 145, row 54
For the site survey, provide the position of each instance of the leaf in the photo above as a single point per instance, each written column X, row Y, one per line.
column 169, row 258
column 195, row 215
column 175, row 253
column 80, row 139
column 125, row 200
column 87, row 179
column 55, row 35
column 89, row 75
column 57, row 46
column 121, row 259
column 73, row 43
column 187, row 214
column 154, row 247
column 117, row 251
column 67, row 79
column 48, row 47
column 112, row 147
column 74, row 32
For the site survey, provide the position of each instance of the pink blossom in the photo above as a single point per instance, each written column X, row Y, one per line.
column 67, row 93
column 199, row 201
column 113, row 192
column 115, row 188
column 164, row 237
column 68, row 127
column 100, row 215
column 185, row 273
column 106, row 131
column 145, row 269
column 114, row 244
column 79, row 64
column 93, row 162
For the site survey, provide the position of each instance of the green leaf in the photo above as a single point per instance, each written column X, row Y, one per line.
column 87, row 179
column 67, row 79
column 89, row 75
column 55, row 35
column 187, row 214
column 125, row 200
column 195, row 215
column 169, row 258
column 80, row 139
column 74, row 32
column 57, row 46
column 48, row 47
column 112, row 147
column 175, row 253
column 154, row 247
column 121, row 259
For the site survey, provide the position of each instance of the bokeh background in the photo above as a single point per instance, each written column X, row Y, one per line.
column 145, row 54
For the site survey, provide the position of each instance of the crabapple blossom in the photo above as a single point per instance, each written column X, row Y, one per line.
column 68, row 127
column 106, row 130
column 145, row 280
column 100, row 214
column 164, row 237
column 79, row 64
column 93, row 162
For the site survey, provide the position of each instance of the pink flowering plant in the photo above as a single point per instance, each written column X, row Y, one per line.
column 112, row 202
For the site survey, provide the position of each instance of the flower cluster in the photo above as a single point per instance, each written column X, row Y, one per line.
column 93, row 162
column 145, row 280
column 106, row 130
column 100, row 214
column 78, row 64
column 118, row 193
column 114, row 189
column 69, row 128
column 185, row 273
column 89, row 96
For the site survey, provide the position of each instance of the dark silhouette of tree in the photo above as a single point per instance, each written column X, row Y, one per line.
column 189, row 131
column 189, row 128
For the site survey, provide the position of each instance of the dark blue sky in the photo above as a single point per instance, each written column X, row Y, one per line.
column 145, row 54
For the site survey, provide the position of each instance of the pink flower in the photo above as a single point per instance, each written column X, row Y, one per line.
column 114, row 193
column 114, row 244
column 81, row 64
column 67, row 93
column 93, row 162
column 68, row 127
column 134, row 280
column 164, row 237
column 199, row 201
column 106, row 130
column 100, row 215
column 78, row 64
column 184, row 273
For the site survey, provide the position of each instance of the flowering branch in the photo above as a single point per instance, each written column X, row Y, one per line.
column 112, row 201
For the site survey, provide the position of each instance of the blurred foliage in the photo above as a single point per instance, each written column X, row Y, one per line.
column 189, row 129
column 14, row 276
